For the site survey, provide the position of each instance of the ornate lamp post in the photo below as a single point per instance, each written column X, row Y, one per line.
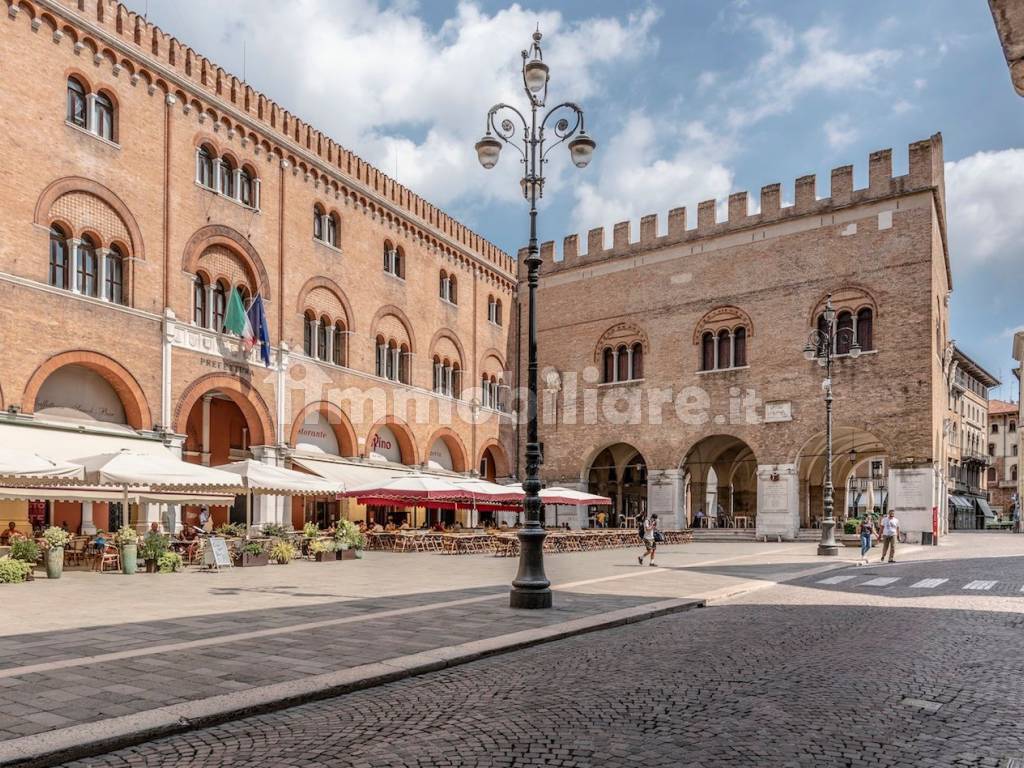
column 531, row 588
column 821, row 344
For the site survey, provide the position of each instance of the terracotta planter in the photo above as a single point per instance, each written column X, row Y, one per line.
column 152, row 567
column 325, row 557
column 245, row 560
column 346, row 554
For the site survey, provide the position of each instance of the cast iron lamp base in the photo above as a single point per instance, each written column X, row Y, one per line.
column 531, row 588
column 828, row 546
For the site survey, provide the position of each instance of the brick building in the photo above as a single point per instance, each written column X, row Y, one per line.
column 1004, row 450
column 144, row 185
column 673, row 370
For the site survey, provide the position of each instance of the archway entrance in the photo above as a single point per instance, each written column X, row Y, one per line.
column 720, row 478
column 859, row 475
column 620, row 472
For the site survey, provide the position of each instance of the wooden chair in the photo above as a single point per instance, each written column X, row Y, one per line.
column 112, row 557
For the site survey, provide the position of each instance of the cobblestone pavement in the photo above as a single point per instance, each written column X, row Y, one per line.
column 803, row 674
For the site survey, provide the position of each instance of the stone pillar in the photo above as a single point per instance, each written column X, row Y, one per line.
column 269, row 509
column 778, row 503
column 88, row 526
column 206, row 430
column 148, row 513
column 76, row 247
column 665, row 498
column 171, row 518
column 166, row 371
column 912, row 495
column 698, row 499
column 101, row 273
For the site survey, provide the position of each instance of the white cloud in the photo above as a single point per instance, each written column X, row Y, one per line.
column 901, row 106
column 648, row 169
column 984, row 193
column 383, row 82
column 839, row 132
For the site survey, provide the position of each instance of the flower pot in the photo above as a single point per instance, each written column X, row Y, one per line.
column 246, row 560
column 151, row 566
column 346, row 554
column 129, row 558
column 54, row 562
column 325, row 557
column 359, row 554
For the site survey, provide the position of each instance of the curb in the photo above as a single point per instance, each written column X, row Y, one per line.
column 91, row 739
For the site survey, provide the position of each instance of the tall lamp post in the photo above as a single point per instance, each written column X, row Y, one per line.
column 822, row 344
column 507, row 125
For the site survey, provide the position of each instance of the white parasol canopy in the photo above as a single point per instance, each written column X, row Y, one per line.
column 128, row 468
column 23, row 466
column 485, row 492
column 267, row 479
column 412, row 487
column 573, row 498
column 869, row 496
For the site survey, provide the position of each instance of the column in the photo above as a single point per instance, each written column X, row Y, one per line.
column 256, row 194
column 778, row 503
column 148, row 513
column 698, row 500
column 75, row 256
column 206, row 429
column 396, row 362
column 88, row 527
column 629, row 362
column 265, row 508
column 218, row 174
column 732, row 349
column 615, row 364
column 101, row 272
column 314, row 341
column 665, row 498
column 209, row 308
column 166, row 373
column 329, row 352
column 238, row 182
column 90, row 112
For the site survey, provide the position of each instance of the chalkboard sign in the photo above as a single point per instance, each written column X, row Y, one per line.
column 217, row 555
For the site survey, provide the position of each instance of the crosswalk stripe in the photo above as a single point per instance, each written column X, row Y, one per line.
column 881, row 581
column 982, row 585
column 928, row 583
column 836, row 579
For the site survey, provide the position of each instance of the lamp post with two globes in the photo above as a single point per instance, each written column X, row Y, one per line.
column 822, row 344
column 506, row 125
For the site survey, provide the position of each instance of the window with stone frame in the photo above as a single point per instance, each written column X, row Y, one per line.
column 721, row 339
column 620, row 352
column 855, row 319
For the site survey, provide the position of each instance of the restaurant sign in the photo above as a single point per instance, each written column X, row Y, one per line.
column 440, row 456
column 317, row 435
column 384, row 446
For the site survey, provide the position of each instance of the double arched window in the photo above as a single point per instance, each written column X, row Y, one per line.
column 448, row 287
column 81, row 265
column 93, row 112
column 851, row 326
column 325, row 339
column 325, row 226
column 394, row 260
column 227, row 178
column 725, row 349
column 393, row 360
column 491, row 392
column 447, row 377
column 494, row 310
column 624, row 362
column 210, row 301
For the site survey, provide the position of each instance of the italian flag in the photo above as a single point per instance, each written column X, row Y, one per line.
column 237, row 321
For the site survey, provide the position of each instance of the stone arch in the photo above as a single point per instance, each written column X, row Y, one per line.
column 492, row 353
column 242, row 393
column 340, row 424
column 218, row 234
column 851, row 296
column 732, row 464
column 391, row 309
column 404, row 435
column 502, row 463
column 620, row 333
column 136, row 408
column 618, row 470
column 69, row 184
column 329, row 285
column 726, row 316
column 448, row 333
column 455, row 447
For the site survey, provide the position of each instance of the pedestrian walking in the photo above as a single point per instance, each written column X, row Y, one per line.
column 890, row 532
column 867, row 531
column 649, row 533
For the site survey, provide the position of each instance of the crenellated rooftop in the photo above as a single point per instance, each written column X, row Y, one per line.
column 108, row 30
column 925, row 172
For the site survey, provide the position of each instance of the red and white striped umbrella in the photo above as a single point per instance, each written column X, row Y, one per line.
column 485, row 492
column 414, row 486
column 573, row 498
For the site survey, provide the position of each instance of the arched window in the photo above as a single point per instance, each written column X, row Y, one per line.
column 638, row 361
column 199, row 316
column 443, row 285
column 456, row 381
column 58, row 257
column 865, row 329
column 308, row 321
column 739, row 347
column 437, row 373
column 453, row 285
column 382, row 357
column 321, row 338
column 331, row 233
column 104, row 116
column 404, row 361
column 707, row 351
column 340, row 356
column 88, row 267
column 724, row 350
column 245, row 188
column 822, row 335
column 1012, row 427
column 388, row 248
column 77, row 111
column 995, row 428
column 220, row 305
column 204, row 167
column 399, row 262
column 991, row 449
column 114, row 288
column 227, row 177
column 622, row 363
column 245, row 295
column 392, row 363
column 318, row 222
column 1013, row 472
column 844, row 333
column 607, row 365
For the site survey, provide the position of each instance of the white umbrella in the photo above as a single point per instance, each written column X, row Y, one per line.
column 26, row 465
column 485, row 492
column 869, row 496
column 269, row 480
column 412, row 487
column 573, row 498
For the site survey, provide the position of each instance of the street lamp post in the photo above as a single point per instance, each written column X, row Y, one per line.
column 531, row 588
column 821, row 344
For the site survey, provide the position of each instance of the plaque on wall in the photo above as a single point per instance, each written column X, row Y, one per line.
column 778, row 410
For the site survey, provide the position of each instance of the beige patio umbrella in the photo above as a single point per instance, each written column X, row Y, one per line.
column 869, row 498
column 266, row 479
column 21, row 467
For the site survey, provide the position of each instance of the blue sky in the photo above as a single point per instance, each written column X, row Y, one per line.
column 687, row 100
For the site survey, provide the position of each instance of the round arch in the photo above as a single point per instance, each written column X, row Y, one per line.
column 455, row 446
column 63, row 186
column 136, row 408
column 619, row 471
column 447, row 333
column 402, row 432
column 217, row 234
column 241, row 393
column 720, row 479
column 340, row 424
column 329, row 285
column 391, row 309
column 502, row 464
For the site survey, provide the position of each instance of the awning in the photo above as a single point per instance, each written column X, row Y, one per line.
column 65, row 442
column 959, row 502
column 348, row 474
column 570, row 497
column 156, row 472
column 270, row 480
column 27, row 465
column 986, row 509
column 410, row 488
column 112, row 494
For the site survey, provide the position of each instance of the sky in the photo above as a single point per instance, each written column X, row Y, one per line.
column 688, row 100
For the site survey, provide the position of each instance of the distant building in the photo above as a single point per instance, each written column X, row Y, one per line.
column 1004, row 452
column 967, row 455
column 1018, row 355
column 1009, row 18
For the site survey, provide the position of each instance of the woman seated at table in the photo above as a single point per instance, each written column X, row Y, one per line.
column 98, row 544
column 10, row 534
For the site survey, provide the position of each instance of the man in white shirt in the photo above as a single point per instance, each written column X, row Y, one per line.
column 890, row 532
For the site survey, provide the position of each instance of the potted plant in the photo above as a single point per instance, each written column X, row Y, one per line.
column 231, row 530
column 27, row 551
column 154, row 545
column 274, row 531
column 252, row 552
column 127, row 539
column 850, row 536
column 349, row 540
column 14, row 571
column 310, row 530
column 282, row 552
column 322, row 550
column 55, row 539
column 169, row 562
